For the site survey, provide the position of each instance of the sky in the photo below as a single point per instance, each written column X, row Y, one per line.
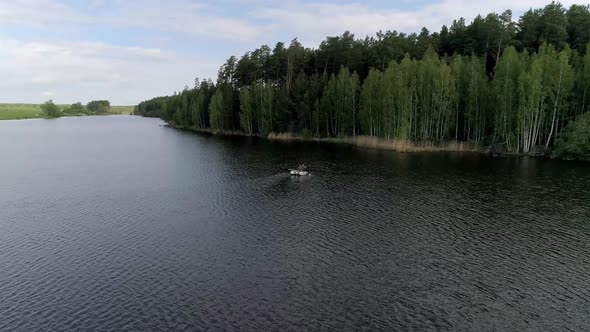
column 127, row 51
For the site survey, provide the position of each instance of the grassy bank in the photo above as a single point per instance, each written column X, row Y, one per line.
column 20, row 111
column 33, row 111
column 366, row 142
column 121, row 110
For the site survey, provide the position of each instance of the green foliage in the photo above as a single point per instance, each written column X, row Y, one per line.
column 550, row 25
column 371, row 111
column 20, row 111
column 216, row 110
column 75, row 109
column 578, row 27
column 574, row 142
column 247, row 114
column 583, row 83
column 475, row 94
column 98, row 107
column 531, row 108
column 51, row 110
column 31, row 111
column 489, row 82
column 505, row 85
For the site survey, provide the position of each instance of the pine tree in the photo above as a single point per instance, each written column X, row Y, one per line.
column 370, row 112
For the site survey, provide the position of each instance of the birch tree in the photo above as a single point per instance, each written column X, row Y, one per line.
column 246, row 111
column 505, row 88
column 216, row 110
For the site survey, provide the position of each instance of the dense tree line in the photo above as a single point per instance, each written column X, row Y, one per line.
column 95, row 107
column 493, row 82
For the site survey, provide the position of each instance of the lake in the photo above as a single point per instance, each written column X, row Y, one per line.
column 118, row 223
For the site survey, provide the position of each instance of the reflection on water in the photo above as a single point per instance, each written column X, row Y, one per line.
column 116, row 223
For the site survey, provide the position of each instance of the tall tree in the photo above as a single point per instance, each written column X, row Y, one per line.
column 216, row 110
column 50, row 110
column 578, row 27
column 561, row 83
column 531, row 104
column 247, row 113
column 506, row 91
column 371, row 105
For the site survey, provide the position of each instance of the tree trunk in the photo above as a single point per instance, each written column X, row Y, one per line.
column 555, row 107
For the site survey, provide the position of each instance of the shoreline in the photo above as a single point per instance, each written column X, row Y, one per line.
column 57, row 117
column 24, row 111
column 366, row 142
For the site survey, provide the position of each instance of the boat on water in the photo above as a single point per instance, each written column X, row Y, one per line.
column 300, row 171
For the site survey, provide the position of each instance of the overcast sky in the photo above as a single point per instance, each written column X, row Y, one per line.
column 130, row 50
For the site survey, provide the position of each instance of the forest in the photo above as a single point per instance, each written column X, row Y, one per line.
column 518, row 86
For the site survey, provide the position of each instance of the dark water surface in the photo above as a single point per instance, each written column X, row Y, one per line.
column 116, row 223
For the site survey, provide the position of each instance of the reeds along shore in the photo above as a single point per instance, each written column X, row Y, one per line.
column 367, row 142
column 378, row 143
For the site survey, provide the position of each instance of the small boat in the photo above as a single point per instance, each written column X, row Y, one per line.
column 299, row 171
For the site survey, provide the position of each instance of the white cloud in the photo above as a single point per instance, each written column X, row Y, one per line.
column 38, row 12
column 43, row 62
column 82, row 71
column 180, row 16
column 186, row 17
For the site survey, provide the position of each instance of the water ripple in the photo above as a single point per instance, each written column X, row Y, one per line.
column 174, row 231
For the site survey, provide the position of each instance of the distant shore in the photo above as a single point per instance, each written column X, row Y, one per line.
column 33, row 111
